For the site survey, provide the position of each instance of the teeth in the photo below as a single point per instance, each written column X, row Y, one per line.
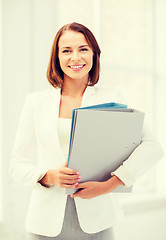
column 75, row 67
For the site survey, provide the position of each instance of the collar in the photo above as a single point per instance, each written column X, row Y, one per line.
column 90, row 90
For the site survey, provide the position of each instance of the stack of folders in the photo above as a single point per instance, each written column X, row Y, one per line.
column 102, row 137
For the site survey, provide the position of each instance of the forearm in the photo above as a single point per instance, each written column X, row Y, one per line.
column 112, row 184
column 94, row 189
column 49, row 179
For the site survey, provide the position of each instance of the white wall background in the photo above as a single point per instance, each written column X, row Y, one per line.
column 132, row 37
column 0, row 111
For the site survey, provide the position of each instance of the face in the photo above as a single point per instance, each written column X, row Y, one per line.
column 75, row 55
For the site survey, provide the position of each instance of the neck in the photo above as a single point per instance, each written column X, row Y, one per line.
column 74, row 87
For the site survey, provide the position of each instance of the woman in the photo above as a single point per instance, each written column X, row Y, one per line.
column 41, row 147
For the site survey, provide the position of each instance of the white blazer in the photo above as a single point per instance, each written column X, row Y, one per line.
column 37, row 149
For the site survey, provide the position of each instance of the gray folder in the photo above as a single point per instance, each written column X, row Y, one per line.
column 101, row 140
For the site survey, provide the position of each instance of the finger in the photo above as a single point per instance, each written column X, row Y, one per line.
column 63, row 176
column 77, row 194
column 69, row 171
column 81, row 185
column 74, row 195
column 68, row 185
column 71, row 176
column 67, row 182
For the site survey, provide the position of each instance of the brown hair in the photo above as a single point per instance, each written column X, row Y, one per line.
column 54, row 71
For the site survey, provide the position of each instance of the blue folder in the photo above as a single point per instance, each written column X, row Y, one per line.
column 109, row 130
column 104, row 106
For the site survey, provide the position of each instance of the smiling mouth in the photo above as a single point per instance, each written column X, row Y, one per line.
column 76, row 67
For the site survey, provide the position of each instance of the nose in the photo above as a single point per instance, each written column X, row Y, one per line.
column 75, row 56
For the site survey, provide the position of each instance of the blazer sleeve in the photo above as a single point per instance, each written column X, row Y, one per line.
column 22, row 166
column 147, row 154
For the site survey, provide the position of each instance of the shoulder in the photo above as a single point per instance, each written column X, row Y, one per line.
column 37, row 94
column 38, row 100
column 42, row 95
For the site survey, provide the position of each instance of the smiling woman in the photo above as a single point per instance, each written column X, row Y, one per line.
column 74, row 47
column 1, row 114
column 73, row 71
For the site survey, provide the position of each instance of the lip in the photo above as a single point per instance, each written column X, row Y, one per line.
column 76, row 67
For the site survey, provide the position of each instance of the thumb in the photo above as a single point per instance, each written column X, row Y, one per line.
column 82, row 185
column 65, row 164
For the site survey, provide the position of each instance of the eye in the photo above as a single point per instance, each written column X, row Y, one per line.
column 84, row 49
column 66, row 51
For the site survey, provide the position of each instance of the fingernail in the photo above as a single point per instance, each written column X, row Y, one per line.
column 78, row 173
column 75, row 185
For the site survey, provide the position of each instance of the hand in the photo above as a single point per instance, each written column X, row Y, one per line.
column 93, row 189
column 89, row 190
column 63, row 177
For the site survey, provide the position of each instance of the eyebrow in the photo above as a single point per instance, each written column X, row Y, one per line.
column 79, row 46
column 84, row 46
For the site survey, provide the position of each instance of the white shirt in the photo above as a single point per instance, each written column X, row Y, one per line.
column 64, row 128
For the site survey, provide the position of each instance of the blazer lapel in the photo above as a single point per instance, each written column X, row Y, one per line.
column 88, row 97
column 55, row 102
